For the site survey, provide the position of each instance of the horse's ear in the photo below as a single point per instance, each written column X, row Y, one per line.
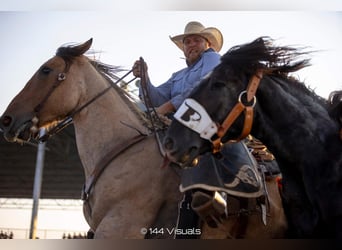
column 84, row 47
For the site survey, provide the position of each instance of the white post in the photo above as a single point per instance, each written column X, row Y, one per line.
column 37, row 185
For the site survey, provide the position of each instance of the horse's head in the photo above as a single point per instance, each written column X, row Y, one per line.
column 43, row 100
column 224, row 101
column 208, row 105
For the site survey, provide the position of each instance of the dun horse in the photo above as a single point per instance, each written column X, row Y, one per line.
column 293, row 122
column 127, row 191
column 126, row 188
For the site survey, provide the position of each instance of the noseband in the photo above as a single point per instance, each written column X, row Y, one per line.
column 207, row 128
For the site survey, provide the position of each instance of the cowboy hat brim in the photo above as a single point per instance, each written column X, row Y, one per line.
column 213, row 35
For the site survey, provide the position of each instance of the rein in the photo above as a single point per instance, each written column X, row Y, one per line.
column 150, row 109
column 110, row 156
column 117, row 150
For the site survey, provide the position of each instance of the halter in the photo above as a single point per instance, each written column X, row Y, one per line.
column 68, row 120
column 200, row 121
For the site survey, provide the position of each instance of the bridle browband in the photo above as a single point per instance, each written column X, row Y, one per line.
column 208, row 128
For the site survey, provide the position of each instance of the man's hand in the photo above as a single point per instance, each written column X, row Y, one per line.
column 137, row 69
column 165, row 108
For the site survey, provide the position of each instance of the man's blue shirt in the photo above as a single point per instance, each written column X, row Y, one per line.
column 178, row 87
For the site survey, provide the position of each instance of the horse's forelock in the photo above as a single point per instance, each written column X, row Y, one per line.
column 69, row 52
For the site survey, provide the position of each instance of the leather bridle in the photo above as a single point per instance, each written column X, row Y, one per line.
column 105, row 161
column 240, row 106
column 68, row 119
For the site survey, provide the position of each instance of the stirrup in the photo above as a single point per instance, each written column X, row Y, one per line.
column 211, row 209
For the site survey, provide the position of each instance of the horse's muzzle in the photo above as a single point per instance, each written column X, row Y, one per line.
column 18, row 132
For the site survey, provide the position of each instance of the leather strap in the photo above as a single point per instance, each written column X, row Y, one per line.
column 90, row 182
column 253, row 85
column 237, row 110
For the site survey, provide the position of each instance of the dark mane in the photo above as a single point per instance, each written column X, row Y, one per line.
column 277, row 61
column 69, row 52
column 109, row 72
column 263, row 54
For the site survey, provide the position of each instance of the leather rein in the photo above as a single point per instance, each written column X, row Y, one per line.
column 68, row 119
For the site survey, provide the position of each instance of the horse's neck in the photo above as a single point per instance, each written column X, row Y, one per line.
column 101, row 126
column 289, row 120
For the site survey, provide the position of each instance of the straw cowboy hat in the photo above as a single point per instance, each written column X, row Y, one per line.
column 213, row 35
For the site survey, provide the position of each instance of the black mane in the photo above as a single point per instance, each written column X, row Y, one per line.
column 275, row 60
column 263, row 54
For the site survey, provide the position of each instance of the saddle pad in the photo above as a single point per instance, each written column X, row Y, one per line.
column 235, row 173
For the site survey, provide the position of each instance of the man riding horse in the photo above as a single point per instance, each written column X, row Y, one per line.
column 235, row 172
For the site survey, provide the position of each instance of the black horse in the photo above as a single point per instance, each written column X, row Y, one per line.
column 297, row 126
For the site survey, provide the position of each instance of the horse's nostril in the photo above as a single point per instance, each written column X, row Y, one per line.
column 6, row 121
column 168, row 143
column 193, row 150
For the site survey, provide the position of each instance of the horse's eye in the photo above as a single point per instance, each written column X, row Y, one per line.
column 218, row 84
column 46, row 70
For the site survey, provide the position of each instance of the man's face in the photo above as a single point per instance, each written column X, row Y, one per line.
column 193, row 46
